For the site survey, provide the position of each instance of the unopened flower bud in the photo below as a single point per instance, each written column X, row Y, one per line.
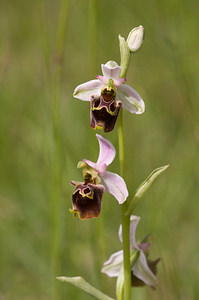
column 135, row 38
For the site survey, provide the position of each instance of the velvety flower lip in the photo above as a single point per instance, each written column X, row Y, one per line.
column 130, row 99
column 86, row 200
column 140, row 270
column 104, row 111
column 113, row 183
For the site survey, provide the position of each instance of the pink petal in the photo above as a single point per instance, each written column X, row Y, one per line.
column 142, row 271
column 111, row 70
column 134, row 220
column 85, row 90
column 119, row 82
column 106, row 153
column 131, row 100
column 102, row 169
column 115, row 185
column 90, row 163
column 144, row 246
column 113, row 265
column 102, row 79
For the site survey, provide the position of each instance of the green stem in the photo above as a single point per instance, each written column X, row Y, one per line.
column 61, row 33
column 98, row 234
column 92, row 31
column 93, row 36
column 56, row 203
column 54, row 70
column 121, row 142
column 125, row 219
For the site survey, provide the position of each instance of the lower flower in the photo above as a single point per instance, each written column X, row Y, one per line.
column 86, row 200
column 143, row 270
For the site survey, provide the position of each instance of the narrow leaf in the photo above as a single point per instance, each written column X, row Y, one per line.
column 143, row 188
column 80, row 283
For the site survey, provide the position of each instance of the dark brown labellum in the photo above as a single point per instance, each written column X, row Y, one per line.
column 87, row 200
column 104, row 111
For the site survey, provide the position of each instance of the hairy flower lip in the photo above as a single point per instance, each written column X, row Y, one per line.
column 86, row 200
column 84, row 190
column 111, row 105
column 104, row 111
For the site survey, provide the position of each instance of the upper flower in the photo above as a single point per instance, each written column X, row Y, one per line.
column 111, row 81
column 143, row 270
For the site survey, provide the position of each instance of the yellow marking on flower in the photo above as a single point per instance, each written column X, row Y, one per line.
column 74, row 212
column 98, row 127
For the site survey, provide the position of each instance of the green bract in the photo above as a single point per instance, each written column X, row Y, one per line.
column 143, row 188
column 80, row 283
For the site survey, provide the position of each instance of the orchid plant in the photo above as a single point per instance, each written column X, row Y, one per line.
column 108, row 96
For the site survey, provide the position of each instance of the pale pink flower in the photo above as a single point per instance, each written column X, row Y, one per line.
column 130, row 99
column 143, row 271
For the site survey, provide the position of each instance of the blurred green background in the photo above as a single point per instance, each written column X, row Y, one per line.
column 44, row 132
